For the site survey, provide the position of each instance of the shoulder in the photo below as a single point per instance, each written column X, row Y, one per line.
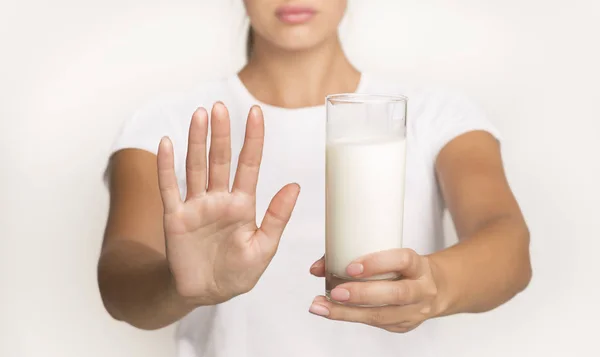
column 429, row 99
column 436, row 114
column 181, row 104
column 167, row 114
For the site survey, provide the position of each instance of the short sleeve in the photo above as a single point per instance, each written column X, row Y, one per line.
column 144, row 131
column 445, row 116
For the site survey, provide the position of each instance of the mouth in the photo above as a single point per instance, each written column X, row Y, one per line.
column 295, row 15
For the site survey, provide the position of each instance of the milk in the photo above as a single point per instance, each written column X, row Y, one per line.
column 364, row 200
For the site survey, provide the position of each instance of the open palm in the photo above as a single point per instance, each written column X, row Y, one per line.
column 214, row 247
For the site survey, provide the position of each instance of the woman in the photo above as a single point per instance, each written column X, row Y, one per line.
column 181, row 243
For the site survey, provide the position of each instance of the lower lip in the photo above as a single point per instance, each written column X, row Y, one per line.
column 296, row 18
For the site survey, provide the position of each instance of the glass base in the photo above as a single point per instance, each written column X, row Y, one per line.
column 332, row 281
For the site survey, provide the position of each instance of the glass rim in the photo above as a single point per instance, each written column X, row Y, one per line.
column 360, row 98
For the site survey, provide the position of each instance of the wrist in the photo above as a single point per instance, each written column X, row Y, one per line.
column 444, row 298
column 175, row 298
column 194, row 298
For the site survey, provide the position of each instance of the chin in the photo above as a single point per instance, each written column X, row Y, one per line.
column 300, row 41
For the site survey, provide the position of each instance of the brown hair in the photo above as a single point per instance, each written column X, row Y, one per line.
column 249, row 43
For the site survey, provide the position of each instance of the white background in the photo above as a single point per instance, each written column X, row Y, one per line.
column 72, row 71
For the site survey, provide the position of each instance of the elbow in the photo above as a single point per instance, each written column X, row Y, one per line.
column 111, row 295
column 120, row 314
column 524, row 276
column 145, row 326
column 107, row 297
column 132, row 280
column 112, row 311
column 121, row 307
column 524, row 272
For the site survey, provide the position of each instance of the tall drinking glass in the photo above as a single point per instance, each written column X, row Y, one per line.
column 365, row 174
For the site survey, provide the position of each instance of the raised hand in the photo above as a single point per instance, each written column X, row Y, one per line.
column 214, row 247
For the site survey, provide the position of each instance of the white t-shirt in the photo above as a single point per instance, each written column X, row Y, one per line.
column 273, row 320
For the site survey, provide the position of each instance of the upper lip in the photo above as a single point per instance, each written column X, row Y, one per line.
column 294, row 9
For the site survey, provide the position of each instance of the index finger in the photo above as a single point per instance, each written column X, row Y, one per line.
column 378, row 293
column 405, row 262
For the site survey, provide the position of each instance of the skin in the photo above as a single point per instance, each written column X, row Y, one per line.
column 163, row 256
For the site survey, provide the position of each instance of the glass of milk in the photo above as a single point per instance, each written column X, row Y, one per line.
column 365, row 174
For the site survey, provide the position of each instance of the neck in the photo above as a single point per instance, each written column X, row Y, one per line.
column 296, row 79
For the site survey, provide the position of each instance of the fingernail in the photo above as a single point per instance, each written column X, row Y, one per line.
column 319, row 310
column 319, row 299
column 165, row 143
column 340, row 294
column 355, row 269
column 218, row 105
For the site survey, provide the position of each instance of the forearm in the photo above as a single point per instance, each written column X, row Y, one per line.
column 484, row 270
column 135, row 284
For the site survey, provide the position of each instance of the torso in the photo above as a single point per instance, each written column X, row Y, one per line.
column 272, row 319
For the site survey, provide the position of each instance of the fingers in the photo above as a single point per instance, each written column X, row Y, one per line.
column 246, row 176
column 167, row 180
column 196, row 155
column 378, row 293
column 220, row 149
column 318, row 268
column 406, row 262
column 279, row 213
column 374, row 316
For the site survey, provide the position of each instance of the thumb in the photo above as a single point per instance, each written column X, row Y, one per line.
column 318, row 268
column 278, row 214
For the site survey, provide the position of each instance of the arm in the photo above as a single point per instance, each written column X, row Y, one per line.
column 491, row 263
column 133, row 272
